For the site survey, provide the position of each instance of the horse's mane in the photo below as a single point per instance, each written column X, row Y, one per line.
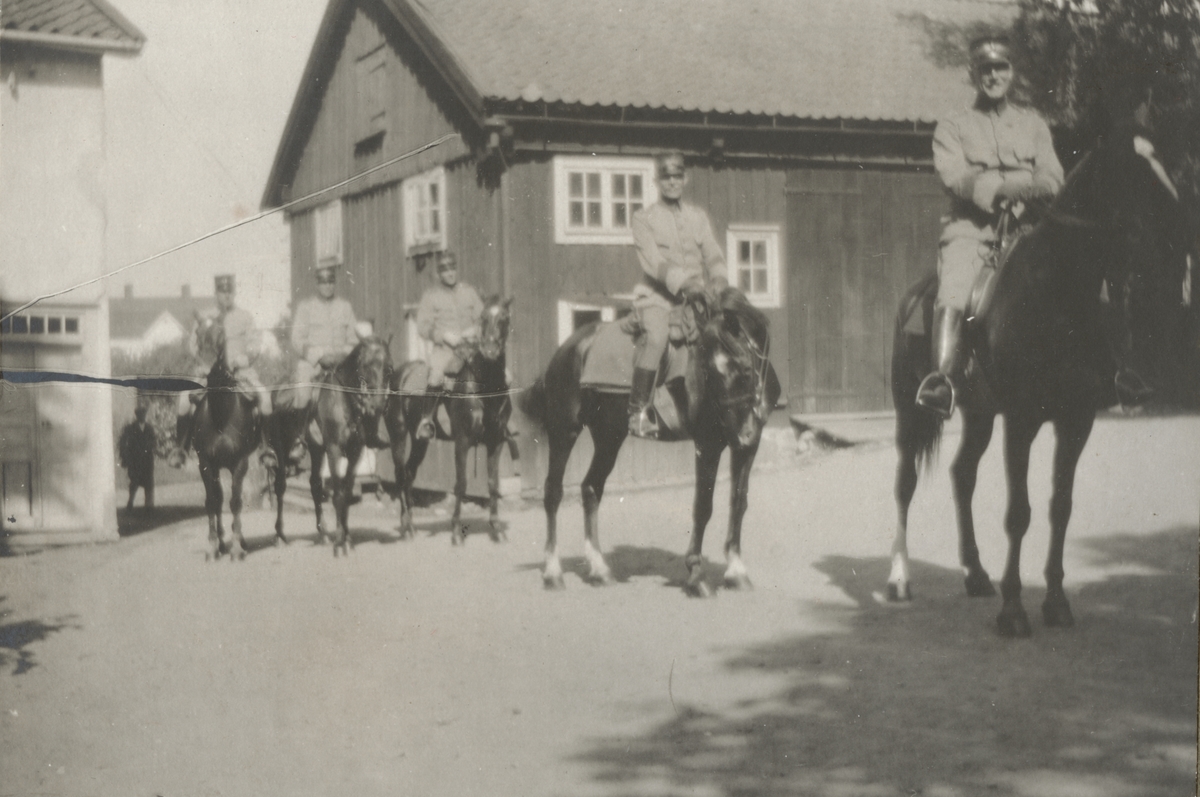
column 733, row 317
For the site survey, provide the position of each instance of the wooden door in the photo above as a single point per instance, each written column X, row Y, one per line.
column 856, row 239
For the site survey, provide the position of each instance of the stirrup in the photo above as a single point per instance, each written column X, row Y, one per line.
column 926, row 399
column 1132, row 390
column 426, row 429
column 642, row 424
column 177, row 458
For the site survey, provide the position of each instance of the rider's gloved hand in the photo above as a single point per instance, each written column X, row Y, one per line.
column 329, row 361
column 718, row 284
column 451, row 339
column 691, row 286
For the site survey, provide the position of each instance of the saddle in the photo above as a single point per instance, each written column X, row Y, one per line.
column 608, row 365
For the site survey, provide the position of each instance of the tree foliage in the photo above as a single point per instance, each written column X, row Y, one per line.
column 1087, row 64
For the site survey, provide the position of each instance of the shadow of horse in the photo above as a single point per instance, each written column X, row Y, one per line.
column 627, row 562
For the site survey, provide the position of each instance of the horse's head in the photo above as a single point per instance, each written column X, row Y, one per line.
column 1124, row 191
column 733, row 367
column 370, row 367
column 493, row 327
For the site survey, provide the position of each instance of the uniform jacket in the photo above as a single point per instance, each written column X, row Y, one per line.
column 673, row 244
column 975, row 152
column 445, row 309
column 323, row 327
column 241, row 338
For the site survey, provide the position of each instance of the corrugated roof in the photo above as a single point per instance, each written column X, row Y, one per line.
column 93, row 21
column 815, row 59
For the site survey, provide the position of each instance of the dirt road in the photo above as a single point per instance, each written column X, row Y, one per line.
column 412, row 668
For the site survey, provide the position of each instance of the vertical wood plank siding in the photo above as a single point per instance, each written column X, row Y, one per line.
column 859, row 239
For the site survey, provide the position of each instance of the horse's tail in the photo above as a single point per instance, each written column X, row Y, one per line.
column 532, row 401
column 917, row 430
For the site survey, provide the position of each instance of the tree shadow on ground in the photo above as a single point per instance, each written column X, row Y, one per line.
column 16, row 636
column 925, row 699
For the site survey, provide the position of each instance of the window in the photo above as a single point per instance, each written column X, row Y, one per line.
column 328, row 234
column 754, row 262
column 595, row 198
column 425, row 212
column 371, row 72
column 46, row 327
column 573, row 315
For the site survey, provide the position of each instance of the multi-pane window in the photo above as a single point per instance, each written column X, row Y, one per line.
column 425, row 211
column 595, row 198
column 328, row 233
column 48, row 325
column 754, row 262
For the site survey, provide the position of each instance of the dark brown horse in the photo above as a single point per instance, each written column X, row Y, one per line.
column 225, row 434
column 1041, row 353
column 730, row 389
column 347, row 407
column 479, row 408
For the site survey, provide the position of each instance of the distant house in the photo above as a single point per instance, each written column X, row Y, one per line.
column 807, row 124
column 138, row 325
column 56, row 452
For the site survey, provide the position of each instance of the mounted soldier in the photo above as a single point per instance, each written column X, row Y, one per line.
column 679, row 256
column 447, row 317
column 241, row 348
column 990, row 157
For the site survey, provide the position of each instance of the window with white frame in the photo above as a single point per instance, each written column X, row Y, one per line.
column 328, row 233
column 425, row 212
column 754, row 262
column 595, row 197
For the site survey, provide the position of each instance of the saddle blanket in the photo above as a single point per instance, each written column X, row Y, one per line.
column 608, row 362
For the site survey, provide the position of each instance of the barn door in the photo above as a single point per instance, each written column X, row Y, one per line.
column 856, row 239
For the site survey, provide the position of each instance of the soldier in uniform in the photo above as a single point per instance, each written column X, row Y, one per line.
column 447, row 317
column 679, row 255
column 323, row 333
column 241, row 347
column 988, row 155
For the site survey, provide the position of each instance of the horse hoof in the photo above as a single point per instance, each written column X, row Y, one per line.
column 1057, row 615
column 698, row 589
column 601, row 580
column 899, row 593
column 1014, row 625
column 979, row 585
column 741, row 582
column 553, row 583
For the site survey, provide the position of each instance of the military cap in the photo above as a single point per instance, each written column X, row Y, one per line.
column 670, row 162
column 223, row 283
column 989, row 50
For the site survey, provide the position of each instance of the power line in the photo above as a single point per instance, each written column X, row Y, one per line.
column 233, row 226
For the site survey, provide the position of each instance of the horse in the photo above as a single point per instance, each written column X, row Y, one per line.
column 225, row 434
column 347, row 407
column 725, row 397
column 1110, row 249
column 479, row 409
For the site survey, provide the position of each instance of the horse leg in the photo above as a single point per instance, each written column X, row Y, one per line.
column 561, row 443
column 462, row 447
column 343, row 463
column 608, row 433
column 899, row 586
column 976, row 435
column 237, row 548
column 493, row 468
column 1071, row 435
column 280, row 479
column 708, row 459
column 416, row 455
column 741, row 460
column 1018, row 438
column 316, row 455
column 212, row 498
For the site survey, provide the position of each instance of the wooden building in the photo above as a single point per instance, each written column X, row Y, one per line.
column 807, row 125
column 56, row 441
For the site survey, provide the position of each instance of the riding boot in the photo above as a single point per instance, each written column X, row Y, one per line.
column 641, row 418
column 267, row 457
column 183, row 440
column 936, row 392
